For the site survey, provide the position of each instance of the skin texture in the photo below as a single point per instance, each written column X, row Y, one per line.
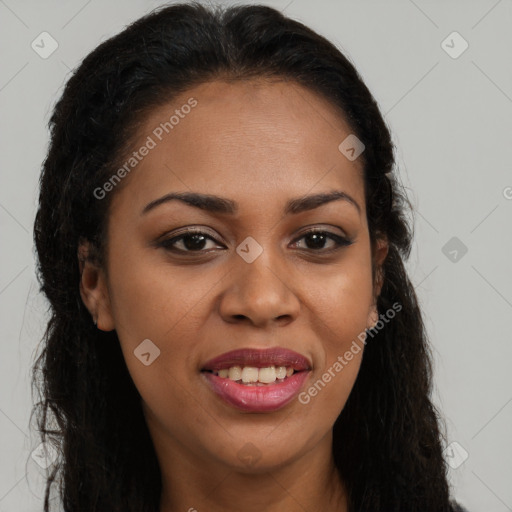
column 258, row 143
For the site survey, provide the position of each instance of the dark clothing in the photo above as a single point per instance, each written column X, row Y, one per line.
column 457, row 507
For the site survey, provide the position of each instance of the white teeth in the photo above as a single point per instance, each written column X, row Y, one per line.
column 251, row 374
column 235, row 373
column 281, row 372
column 267, row 375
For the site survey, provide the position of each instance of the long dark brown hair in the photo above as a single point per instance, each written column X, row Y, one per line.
column 387, row 440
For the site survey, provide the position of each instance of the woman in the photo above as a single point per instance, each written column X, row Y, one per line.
column 221, row 236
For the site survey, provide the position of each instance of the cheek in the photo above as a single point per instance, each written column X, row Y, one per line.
column 170, row 406
column 339, row 301
column 157, row 301
column 156, row 311
column 328, row 390
column 338, row 306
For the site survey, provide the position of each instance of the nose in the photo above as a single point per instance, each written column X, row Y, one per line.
column 259, row 293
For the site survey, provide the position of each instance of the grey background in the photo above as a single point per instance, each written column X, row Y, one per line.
column 451, row 122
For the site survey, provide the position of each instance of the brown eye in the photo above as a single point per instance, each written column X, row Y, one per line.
column 316, row 240
column 190, row 241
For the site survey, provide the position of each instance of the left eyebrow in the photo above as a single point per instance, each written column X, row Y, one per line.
column 221, row 205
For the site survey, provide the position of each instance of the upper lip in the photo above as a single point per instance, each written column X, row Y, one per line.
column 259, row 358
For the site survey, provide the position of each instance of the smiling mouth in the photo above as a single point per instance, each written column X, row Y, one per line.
column 255, row 380
column 254, row 376
column 253, row 395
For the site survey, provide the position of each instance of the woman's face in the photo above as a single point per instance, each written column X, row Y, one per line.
column 253, row 279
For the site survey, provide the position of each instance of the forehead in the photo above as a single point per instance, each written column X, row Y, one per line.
column 246, row 139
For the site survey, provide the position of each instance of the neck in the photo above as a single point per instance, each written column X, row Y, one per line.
column 311, row 482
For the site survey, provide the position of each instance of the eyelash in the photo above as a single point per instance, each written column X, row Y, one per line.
column 339, row 241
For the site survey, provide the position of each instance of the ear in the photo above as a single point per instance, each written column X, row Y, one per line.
column 381, row 251
column 94, row 289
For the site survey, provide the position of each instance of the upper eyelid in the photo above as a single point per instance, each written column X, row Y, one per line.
column 204, row 231
column 199, row 228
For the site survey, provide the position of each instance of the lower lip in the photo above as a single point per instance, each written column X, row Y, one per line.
column 270, row 397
